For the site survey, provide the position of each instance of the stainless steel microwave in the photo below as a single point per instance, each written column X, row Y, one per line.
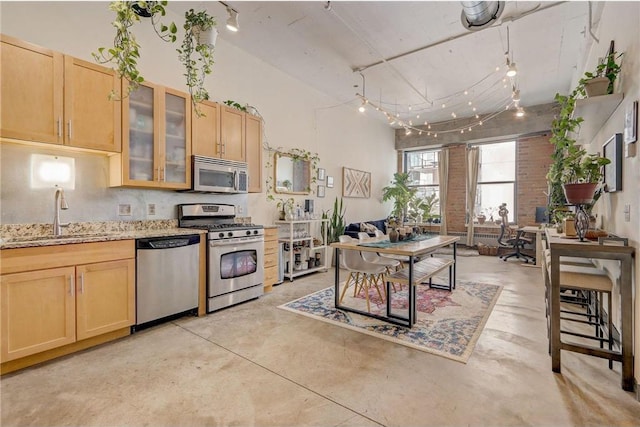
column 212, row 175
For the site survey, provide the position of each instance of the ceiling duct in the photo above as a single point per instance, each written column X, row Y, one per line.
column 477, row 15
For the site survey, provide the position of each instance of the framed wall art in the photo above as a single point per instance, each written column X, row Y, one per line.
column 356, row 183
column 321, row 173
column 320, row 190
column 329, row 182
column 631, row 123
column 612, row 150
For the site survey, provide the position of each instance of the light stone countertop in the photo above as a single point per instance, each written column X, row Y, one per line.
column 15, row 236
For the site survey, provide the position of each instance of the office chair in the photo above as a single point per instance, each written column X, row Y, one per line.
column 507, row 239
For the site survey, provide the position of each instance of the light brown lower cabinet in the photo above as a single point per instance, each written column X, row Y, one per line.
column 69, row 296
column 270, row 258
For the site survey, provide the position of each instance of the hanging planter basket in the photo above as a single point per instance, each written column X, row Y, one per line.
column 596, row 87
column 581, row 193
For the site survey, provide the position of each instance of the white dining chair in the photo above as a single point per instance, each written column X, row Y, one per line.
column 362, row 274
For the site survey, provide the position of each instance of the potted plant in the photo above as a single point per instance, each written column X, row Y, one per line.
column 401, row 194
column 336, row 222
column 481, row 218
column 199, row 41
column 126, row 50
column 600, row 82
column 285, row 207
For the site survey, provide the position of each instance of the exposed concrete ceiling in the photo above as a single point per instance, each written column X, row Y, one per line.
column 325, row 44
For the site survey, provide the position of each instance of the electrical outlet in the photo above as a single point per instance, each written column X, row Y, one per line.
column 151, row 209
column 124, row 210
column 627, row 213
column 239, row 209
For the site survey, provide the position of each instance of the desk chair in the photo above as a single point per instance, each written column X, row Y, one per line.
column 509, row 240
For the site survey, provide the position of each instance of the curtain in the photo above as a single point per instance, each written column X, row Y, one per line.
column 473, row 160
column 443, row 179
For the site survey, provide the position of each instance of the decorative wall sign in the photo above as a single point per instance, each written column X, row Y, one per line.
column 631, row 123
column 320, row 190
column 329, row 182
column 612, row 150
column 356, row 183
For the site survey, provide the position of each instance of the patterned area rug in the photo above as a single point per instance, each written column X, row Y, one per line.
column 448, row 324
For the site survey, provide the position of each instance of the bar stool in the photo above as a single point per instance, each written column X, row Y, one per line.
column 590, row 285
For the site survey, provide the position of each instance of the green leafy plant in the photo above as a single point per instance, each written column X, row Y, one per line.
column 126, row 50
column 236, row 105
column 608, row 68
column 196, row 55
column 336, row 224
column 401, row 194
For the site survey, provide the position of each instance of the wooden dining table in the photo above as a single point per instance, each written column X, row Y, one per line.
column 420, row 245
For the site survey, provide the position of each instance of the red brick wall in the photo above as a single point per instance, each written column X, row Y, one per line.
column 456, row 196
column 533, row 160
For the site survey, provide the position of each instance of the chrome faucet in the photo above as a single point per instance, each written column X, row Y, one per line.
column 60, row 203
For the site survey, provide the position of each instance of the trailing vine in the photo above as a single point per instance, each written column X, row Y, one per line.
column 295, row 154
column 126, row 50
column 197, row 69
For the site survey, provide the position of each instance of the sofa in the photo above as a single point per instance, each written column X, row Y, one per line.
column 355, row 227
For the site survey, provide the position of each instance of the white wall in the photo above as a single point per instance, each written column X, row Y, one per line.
column 620, row 21
column 295, row 116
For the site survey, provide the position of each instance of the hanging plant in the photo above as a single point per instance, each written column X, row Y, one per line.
column 126, row 50
column 235, row 105
column 199, row 42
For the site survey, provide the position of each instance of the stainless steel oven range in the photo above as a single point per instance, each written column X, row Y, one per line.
column 234, row 253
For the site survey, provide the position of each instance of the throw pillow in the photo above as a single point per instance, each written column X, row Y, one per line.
column 368, row 228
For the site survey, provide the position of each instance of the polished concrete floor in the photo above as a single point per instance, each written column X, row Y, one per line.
column 254, row 364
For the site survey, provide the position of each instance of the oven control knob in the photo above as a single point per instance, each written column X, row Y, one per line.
column 230, row 234
column 221, row 235
column 255, row 231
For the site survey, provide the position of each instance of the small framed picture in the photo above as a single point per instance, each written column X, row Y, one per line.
column 321, row 174
column 329, row 182
column 612, row 150
column 320, row 190
column 631, row 123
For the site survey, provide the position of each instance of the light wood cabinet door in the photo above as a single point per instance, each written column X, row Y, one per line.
column 232, row 134
column 31, row 92
column 92, row 120
column 205, row 130
column 156, row 145
column 253, row 141
column 105, row 297
column 38, row 312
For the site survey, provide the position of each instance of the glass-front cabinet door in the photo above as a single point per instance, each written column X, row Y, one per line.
column 157, row 138
column 141, row 136
column 177, row 146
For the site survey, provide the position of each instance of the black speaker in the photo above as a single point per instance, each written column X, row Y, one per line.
column 308, row 205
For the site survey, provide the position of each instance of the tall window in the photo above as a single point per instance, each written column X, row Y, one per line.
column 422, row 167
column 496, row 179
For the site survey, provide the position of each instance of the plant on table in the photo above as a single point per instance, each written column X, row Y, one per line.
column 401, row 194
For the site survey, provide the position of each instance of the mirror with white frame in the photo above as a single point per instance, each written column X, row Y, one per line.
column 292, row 175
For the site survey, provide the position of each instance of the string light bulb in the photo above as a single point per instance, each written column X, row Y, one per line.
column 362, row 107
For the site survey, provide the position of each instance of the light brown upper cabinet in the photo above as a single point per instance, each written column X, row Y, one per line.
column 253, row 138
column 53, row 98
column 156, row 130
column 232, row 134
column 205, row 130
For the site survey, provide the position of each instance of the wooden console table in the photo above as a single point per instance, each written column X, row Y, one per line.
column 561, row 247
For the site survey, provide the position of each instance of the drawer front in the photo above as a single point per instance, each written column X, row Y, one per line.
column 270, row 261
column 270, row 275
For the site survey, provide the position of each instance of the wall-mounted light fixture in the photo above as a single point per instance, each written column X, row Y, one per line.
column 52, row 171
column 232, row 21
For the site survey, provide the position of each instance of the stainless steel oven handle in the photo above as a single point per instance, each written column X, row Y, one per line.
column 235, row 241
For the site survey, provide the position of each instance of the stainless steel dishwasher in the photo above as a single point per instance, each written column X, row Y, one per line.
column 167, row 276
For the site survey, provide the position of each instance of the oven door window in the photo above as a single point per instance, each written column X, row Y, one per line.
column 238, row 264
column 215, row 178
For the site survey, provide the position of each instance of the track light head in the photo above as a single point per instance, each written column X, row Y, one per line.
column 232, row 22
column 512, row 70
column 520, row 112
